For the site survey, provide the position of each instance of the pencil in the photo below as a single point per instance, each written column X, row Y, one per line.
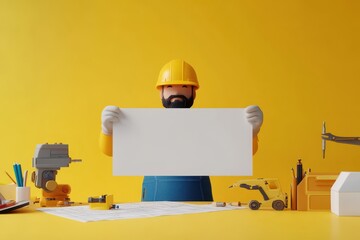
column 20, row 175
column 16, row 174
column 25, row 177
column 10, row 177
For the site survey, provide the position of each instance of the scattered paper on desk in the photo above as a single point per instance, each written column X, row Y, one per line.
column 133, row 210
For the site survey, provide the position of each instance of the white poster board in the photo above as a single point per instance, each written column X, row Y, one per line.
column 182, row 142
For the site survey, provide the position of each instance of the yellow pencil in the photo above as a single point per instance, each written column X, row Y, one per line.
column 10, row 177
column 25, row 177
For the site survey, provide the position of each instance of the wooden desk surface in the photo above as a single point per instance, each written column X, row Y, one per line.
column 28, row 223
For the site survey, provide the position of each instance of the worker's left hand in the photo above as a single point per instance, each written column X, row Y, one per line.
column 254, row 116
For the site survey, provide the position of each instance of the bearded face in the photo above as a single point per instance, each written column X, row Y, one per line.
column 177, row 96
column 177, row 101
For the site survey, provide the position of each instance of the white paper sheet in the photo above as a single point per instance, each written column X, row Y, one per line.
column 176, row 142
column 133, row 210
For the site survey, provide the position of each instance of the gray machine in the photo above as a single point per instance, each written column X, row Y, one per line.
column 49, row 158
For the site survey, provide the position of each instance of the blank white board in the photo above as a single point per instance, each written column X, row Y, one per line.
column 182, row 142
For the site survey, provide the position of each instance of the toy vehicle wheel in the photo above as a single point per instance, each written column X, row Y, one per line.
column 278, row 205
column 254, row 205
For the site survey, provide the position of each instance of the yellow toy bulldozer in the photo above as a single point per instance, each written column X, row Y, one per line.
column 270, row 190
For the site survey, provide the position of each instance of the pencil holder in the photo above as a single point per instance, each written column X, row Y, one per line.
column 22, row 194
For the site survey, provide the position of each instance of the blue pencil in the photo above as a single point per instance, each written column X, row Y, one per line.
column 16, row 174
column 20, row 175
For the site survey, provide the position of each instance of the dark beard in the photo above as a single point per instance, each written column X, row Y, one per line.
column 183, row 103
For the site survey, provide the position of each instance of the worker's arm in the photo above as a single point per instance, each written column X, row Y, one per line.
column 255, row 144
column 254, row 116
column 109, row 115
column 105, row 143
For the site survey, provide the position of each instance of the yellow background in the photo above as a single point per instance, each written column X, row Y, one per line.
column 62, row 62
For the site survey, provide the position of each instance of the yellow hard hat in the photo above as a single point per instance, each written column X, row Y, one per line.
column 177, row 72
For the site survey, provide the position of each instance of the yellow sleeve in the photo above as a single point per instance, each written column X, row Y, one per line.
column 105, row 143
column 255, row 144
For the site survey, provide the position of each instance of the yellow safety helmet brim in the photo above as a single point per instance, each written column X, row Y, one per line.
column 177, row 72
column 178, row 83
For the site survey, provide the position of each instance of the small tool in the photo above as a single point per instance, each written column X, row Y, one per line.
column 330, row 137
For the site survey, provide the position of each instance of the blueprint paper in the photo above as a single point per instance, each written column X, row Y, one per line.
column 133, row 210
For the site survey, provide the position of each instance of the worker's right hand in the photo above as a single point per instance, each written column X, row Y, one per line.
column 109, row 115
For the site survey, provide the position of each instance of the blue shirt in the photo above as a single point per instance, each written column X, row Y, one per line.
column 176, row 188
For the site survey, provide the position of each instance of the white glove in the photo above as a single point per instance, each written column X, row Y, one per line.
column 254, row 116
column 109, row 115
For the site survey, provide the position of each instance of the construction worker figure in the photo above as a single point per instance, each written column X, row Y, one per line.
column 177, row 84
